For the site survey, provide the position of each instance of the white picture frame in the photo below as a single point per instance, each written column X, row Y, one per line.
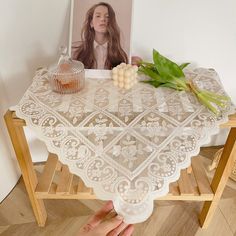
column 78, row 11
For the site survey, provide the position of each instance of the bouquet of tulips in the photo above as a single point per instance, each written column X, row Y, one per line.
column 165, row 73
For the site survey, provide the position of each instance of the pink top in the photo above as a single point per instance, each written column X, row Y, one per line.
column 100, row 51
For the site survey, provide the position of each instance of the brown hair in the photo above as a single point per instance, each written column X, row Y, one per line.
column 85, row 52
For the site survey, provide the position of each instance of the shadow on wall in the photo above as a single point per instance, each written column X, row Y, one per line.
column 4, row 104
column 37, row 55
column 41, row 58
column 8, row 165
column 17, row 83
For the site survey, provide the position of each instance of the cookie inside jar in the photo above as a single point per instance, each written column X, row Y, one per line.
column 67, row 76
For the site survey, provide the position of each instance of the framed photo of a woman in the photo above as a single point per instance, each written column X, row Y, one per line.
column 100, row 33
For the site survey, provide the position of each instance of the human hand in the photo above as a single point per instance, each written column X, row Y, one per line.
column 135, row 60
column 97, row 225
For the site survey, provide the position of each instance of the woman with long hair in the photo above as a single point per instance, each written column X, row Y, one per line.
column 100, row 47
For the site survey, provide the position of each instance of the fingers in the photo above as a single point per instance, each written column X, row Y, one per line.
column 109, row 225
column 118, row 229
column 128, row 231
column 98, row 217
column 135, row 60
column 101, row 214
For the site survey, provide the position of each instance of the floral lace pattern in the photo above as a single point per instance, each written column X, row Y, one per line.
column 127, row 145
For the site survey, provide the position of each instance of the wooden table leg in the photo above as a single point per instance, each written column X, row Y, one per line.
column 220, row 178
column 21, row 148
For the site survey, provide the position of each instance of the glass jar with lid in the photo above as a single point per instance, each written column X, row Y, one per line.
column 67, row 76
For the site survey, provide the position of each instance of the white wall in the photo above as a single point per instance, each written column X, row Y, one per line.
column 200, row 32
column 30, row 35
column 8, row 167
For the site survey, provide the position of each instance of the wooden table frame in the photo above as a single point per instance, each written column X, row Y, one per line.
column 56, row 182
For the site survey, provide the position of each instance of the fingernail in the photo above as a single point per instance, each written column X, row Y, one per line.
column 118, row 217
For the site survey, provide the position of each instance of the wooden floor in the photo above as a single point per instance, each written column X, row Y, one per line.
column 169, row 218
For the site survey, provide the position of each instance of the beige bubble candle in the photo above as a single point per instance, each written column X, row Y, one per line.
column 125, row 75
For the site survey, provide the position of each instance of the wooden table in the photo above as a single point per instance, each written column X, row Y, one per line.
column 56, row 182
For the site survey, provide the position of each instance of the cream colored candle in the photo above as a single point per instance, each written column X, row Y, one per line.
column 124, row 75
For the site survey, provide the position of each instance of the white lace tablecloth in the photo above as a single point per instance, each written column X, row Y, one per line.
column 127, row 145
